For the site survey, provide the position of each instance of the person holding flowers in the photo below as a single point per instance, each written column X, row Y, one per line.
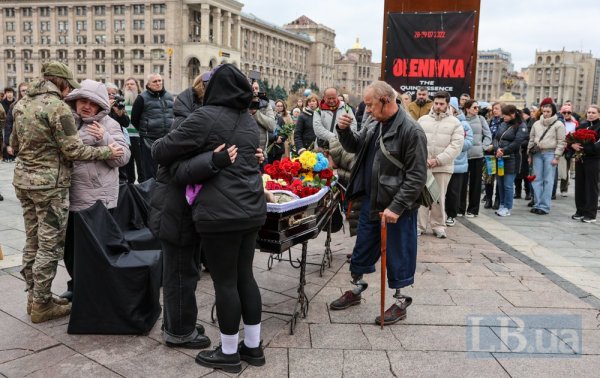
column 586, row 144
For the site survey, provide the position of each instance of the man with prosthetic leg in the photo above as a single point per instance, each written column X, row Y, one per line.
column 389, row 195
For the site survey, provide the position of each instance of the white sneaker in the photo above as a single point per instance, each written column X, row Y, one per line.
column 504, row 212
column 440, row 234
column 450, row 221
column 563, row 194
column 499, row 211
column 471, row 215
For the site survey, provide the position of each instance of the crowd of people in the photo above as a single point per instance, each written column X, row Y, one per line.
column 206, row 147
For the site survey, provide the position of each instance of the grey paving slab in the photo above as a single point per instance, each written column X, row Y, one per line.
column 31, row 363
column 549, row 366
column 315, row 363
column 300, row 338
column 276, row 366
column 439, row 338
column 543, row 299
column 487, row 298
column 338, row 336
column 75, row 366
column 546, row 317
column 552, row 342
column 18, row 339
column 381, row 339
column 443, row 364
column 362, row 364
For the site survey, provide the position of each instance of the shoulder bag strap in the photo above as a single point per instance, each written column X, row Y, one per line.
column 545, row 131
column 386, row 153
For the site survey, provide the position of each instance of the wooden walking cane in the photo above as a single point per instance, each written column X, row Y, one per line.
column 383, row 266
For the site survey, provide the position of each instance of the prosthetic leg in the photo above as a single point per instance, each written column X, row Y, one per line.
column 397, row 311
column 360, row 284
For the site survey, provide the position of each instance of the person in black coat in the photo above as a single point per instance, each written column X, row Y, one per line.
column 304, row 134
column 228, row 210
column 170, row 219
column 507, row 146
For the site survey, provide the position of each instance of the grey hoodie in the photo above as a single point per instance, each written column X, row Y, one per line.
column 96, row 180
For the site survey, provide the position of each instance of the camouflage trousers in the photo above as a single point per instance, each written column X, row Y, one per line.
column 45, row 213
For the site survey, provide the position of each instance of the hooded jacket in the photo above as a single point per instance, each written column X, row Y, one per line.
column 509, row 138
column 96, row 180
column 445, row 139
column 46, row 138
column 461, row 163
column 234, row 198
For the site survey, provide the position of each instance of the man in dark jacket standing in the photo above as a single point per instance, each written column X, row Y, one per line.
column 152, row 115
column 388, row 190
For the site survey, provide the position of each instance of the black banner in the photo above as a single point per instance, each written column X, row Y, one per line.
column 434, row 50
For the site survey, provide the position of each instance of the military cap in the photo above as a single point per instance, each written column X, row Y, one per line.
column 60, row 70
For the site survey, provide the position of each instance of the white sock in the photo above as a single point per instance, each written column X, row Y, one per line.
column 252, row 335
column 229, row 343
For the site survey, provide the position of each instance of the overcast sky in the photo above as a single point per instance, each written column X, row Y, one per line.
column 517, row 26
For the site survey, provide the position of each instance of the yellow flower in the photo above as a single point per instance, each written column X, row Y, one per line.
column 308, row 177
column 308, row 159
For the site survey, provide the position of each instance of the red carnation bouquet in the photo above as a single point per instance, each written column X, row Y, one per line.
column 581, row 136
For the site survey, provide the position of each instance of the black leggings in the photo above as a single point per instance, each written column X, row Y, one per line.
column 229, row 257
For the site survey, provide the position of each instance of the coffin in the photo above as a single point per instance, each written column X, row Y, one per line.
column 297, row 221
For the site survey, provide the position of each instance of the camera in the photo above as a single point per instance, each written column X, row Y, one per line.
column 119, row 101
column 259, row 100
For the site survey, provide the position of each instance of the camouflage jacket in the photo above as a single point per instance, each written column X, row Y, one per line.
column 46, row 138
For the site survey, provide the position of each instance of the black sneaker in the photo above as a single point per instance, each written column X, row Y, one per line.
column 588, row 220
column 577, row 216
column 346, row 300
column 217, row 360
column 253, row 356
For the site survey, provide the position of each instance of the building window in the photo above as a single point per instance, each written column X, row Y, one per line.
column 100, row 68
column 138, row 39
column 158, row 54
column 119, row 25
column 27, row 25
column 119, row 69
column 45, row 12
column 81, row 11
column 9, row 12
column 119, row 38
column 118, row 54
column 100, row 38
column 158, row 38
column 138, row 24
column 158, row 24
column 99, row 10
column 100, row 25
column 27, row 39
column 81, row 68
column 138, row 54
column 62, row 11
column 138, row 8
column 28, row 67
column 63, row 26
column 119, row 9
column 81, row 39
column 81, row 25
column 11, row 67
column 80, row 54
column 26, row 12
column 10, row 26
column 138, row 68
column 62, row 54
column 119, row 83
column 99, row 54
column 45, row 54
column 9, row 54
column 45, row 40
column 45, row 26
column 159, row 8
column 27, row 54
column 63, row 40
column 158, row 68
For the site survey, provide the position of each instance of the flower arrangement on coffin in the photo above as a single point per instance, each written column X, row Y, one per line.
column 581, row 136
column 303, row 176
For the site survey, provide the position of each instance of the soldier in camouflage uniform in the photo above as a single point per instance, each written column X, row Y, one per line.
column 46, row 138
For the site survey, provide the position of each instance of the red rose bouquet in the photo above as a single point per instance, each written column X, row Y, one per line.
column 303, row 176
column 581, row 136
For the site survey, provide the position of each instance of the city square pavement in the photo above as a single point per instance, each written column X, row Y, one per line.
column 500, row 297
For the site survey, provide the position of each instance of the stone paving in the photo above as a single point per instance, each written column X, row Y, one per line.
column 487, row 268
